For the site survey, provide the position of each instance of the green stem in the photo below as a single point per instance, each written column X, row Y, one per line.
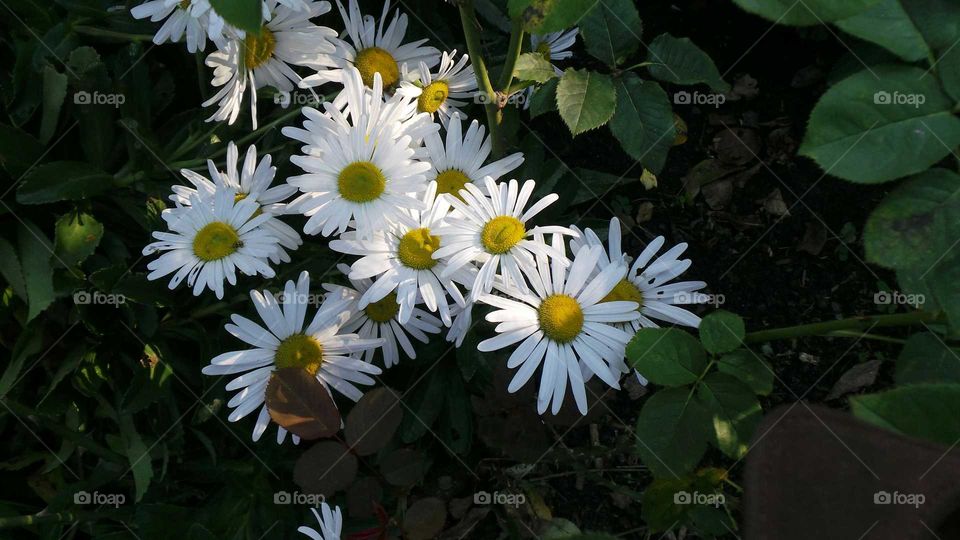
column 864, row 335
column 863, row 323
column 513, row 53
column 472, row 35
column 102, row 32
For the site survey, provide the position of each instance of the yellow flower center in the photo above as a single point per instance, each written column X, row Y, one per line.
column 258, row 47
column 502, row 233
column 624, row 291
column 417, row 247
column 241, row 196
column 361, row 182
column 543, row 49
column 184, row 4
column 215, row 241
column 376, row 60
column 561, row 318
column 299, row 350
column 452, row 181
column 433, row 96
column 384, row 309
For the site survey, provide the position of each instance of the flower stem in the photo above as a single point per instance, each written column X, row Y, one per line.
column 513, row 53
column 471, row 33
column 862, row 323
column 112, row 34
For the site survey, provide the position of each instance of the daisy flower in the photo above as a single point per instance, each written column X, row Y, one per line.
column 380, row 320
column 264, row 58
column 461, row 160
column 323, row 348
column 194, row 18
column 401, row 260
column 647, row 283
column 493, row 233
column 252, row 181
column 331, row 522
column 212, row 239
column 561, row 325
column 462, row 322
column 440, row 94
column 355, row 175
column 372, row 49
column 553, row 46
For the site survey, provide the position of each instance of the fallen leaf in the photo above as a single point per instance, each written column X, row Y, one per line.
column 327, row 467
column 717, row 194
column 424, row 519
column 736, row 146
column 373, row 421
column 648, row 179
column 403, row 467
column 773, row 204
column 301, row 404
column 644, row 212
column 813, row 239
column 856, row 378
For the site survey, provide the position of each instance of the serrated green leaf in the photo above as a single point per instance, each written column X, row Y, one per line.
column 888, row 25
column 721, row 332
column 749, row 368
column 35, row 254
column 679, row 61
column 586, row 100
column 10, row 269
column 672, row 432
column 666, row 356
column 806, row 13
column 534, row 67
column 612, row 31
column 643, row 122
column 881, row 124
column 927, row 411
column 734, row 409
column 76, row 236
column 244, row 14
column 62, row 180
column 544, row 99
column 916, row 223
column 925, row 358
column 545, row 16
column 54, row 92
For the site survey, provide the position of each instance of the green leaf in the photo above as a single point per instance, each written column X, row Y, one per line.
column 888, row 25
column 721, row 332
column 18, row 150
column 29, row 342
column 138, row 454
column 10, row 269
column 927, row 411
column 244, row 14
column 805, row 13
column 735, row 410
column 666, row 356
column 672, row 432
column 925, row 358
column 544, row 99
column 586, row 100
column 948, row 65
column 938, row 20
column 643, row 122
column 77, row 235
column 916, row 223
column 659, row 508
column 749, row 368
column 545, row 16
column 612, row 31
column 35, row 252
column 679, row 61
column 63, row 180
column 54, row 92
column 534, row 67
column 880, row 124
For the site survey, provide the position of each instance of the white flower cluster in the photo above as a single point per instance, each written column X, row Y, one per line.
column 430, row 227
